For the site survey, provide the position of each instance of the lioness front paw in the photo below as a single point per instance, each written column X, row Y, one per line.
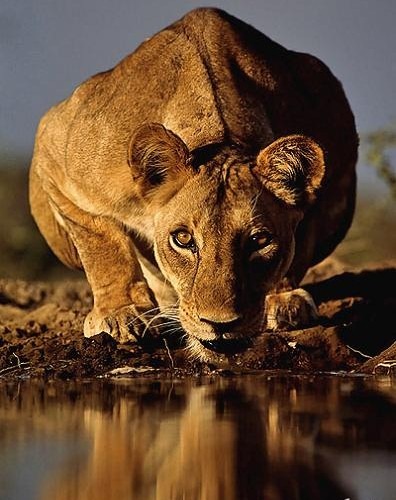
column 290, row 310
column 127, row 324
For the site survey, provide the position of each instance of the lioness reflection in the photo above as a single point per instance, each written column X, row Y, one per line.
column 220, row 442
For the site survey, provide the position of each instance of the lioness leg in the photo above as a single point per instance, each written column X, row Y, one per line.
column 289, row 308
column 56, row 236
column 123, row 302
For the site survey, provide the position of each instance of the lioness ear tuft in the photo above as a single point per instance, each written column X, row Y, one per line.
column 154, row 152
column 292, row 168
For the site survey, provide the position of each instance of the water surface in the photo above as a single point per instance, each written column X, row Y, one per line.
column 269, row 437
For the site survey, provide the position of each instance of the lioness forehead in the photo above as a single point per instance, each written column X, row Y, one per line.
column 225, row 184
column 223, row 196
column 232, row 179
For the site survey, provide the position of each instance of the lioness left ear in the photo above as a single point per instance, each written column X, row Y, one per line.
column 154, row 153
column 292, row 168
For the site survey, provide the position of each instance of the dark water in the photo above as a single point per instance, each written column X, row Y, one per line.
column 255, row 437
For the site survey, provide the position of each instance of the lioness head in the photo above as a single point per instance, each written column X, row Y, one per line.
column 224, row 226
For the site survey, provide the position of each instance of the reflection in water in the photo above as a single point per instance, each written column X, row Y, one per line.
column 275, row 438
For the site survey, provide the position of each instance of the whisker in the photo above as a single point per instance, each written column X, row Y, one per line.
column 150, row 322
column 171, row 322
column 169, row 313
column 171, row 316
column 155, row 318
column 142, row 315
column 172, row 331
column 161, row 313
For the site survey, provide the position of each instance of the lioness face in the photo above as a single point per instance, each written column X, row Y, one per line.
column 222, row 242
column 224, row 228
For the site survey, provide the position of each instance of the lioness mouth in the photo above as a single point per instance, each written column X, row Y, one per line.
column 227, row 346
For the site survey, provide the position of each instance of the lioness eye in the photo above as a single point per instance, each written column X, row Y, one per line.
column 259, row 240
column 183, row 239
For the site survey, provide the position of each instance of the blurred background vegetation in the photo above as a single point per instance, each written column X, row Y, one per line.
column 23, row 252
column 372, row 237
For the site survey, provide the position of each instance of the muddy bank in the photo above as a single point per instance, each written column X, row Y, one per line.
column 41, row 333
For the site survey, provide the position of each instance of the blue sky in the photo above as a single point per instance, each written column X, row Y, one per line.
column 47, row 47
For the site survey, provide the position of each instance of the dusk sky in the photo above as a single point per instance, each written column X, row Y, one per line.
column 47, row 47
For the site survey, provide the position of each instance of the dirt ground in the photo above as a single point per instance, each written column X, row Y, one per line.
column 41, row 333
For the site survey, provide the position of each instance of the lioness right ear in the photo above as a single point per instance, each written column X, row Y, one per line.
column 154, row 153
column 292, row 168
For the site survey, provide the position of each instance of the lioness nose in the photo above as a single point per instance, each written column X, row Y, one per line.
column 224, row 325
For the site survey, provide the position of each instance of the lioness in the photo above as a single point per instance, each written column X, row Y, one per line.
column 199, row 179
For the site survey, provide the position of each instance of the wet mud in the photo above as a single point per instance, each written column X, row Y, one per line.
column 41, row 333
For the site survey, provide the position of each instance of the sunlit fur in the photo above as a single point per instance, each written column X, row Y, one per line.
column 211, row 126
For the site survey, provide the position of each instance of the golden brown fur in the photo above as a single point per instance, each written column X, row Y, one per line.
column 212, row 129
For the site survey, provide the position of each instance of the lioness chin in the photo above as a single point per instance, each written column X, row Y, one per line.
column 197, row 181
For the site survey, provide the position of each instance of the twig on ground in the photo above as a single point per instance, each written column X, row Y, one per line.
column 388, row 363
column 169, row 354
column 359, row 352
column 17, row 358
column 9, row 369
